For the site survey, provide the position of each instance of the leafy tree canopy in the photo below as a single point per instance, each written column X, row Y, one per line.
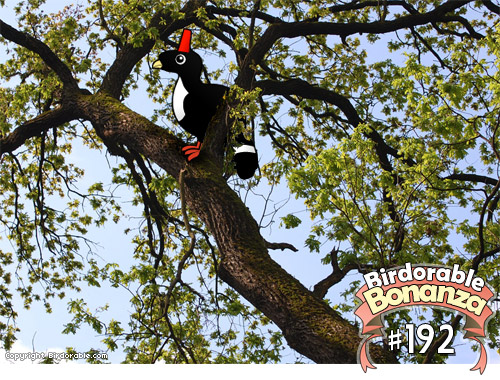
column 382, row 117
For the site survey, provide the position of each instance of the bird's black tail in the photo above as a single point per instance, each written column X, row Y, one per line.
column 245, row 157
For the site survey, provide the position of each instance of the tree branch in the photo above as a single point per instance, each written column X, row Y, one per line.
column 45, row 53
column 35, row 127
column 243, row 13
column 281, row 246
column 492, row 7
column 472, row 178
column 189, row 251
column 322, row 287
column 130, row 55
column 303, row 89
column 115, row 124
column 105, row 26
column 306, row 90
column 305, row 28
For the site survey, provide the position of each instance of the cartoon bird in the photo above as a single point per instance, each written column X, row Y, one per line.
column 245, row 157
column 195, row 103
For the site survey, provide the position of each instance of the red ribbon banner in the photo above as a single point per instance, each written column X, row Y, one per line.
column 437, row 287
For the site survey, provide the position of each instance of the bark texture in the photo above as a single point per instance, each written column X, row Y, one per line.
column 309, row 325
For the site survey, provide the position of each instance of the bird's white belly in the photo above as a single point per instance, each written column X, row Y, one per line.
column 180, row 93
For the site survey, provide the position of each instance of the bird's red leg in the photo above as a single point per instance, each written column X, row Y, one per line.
column 192, row 151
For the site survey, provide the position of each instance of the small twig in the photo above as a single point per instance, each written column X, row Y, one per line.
column 482, row 246
column 252, row 24
column 281, row 246
column 104, row 24
column 183, row 205
column 322, row 287
column 190, row 250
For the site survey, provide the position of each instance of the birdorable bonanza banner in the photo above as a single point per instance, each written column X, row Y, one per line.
column 419, row 285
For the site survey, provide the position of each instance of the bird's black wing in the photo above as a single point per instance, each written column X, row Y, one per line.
column 200, row 106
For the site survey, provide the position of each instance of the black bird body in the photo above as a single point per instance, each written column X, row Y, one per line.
column 245, row 157
column 195, row 103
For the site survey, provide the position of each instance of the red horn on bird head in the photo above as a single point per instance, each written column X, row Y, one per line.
column 185, row 44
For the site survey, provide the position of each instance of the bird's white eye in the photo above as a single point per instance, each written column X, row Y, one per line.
column 180, row 59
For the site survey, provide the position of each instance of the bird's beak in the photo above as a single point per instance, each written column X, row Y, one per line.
column 157, row 64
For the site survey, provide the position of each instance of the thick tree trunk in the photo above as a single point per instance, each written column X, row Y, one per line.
column 309, row 325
